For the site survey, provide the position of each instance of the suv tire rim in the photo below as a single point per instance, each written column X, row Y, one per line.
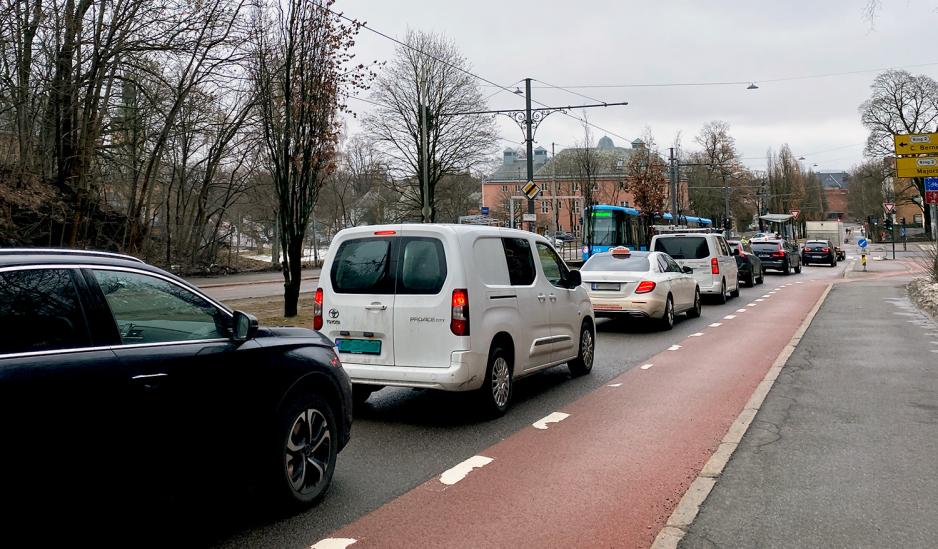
column 307, row 452
column 501, row 382
column 586, row 348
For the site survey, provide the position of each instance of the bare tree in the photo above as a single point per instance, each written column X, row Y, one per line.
column 301, row 72
column 586, row 167
column 429, row 72
column 645, row 173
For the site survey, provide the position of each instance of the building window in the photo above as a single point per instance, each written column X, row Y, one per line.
column 504, row 188
column 917, row 219
column 545, row 206
column 624, row 203
column 576, row 207
column 621, row 185
column 576, row 188
column 620, row 163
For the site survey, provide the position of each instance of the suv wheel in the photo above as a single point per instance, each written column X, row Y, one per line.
column 307, row 451
column 786, row 270
column 798, row 268
column 695, row 312
column 667, row 319
column 583, row 363
column 495, row 392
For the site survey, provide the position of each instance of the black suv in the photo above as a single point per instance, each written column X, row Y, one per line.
column 819, row 251
column 115, row 375
column 778, row 254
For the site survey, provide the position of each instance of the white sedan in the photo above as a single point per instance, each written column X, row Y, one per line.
column 623, row 283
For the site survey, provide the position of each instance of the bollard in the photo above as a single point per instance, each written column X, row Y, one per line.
column 863, row 261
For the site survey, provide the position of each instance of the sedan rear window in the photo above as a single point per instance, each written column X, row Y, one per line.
column 610, row 263
column 683, row 247
column 363, row 266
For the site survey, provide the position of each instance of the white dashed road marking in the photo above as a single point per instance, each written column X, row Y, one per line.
column 716, row 324
column 766, row 295
column 751, row 304
column 553, row 417
column 646, row 366
column 729, row 317
column 333, row 543
column 760, row 299
column 698, row 334
column 459, row 472
column 674, row 347
column 615, row 385
column 740, row 310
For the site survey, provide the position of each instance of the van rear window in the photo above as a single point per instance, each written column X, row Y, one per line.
column 683, row 247
column 363, row 266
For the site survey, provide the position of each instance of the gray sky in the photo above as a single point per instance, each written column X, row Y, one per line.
column 600, row 42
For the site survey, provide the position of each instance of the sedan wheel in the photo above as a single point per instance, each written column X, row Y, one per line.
column 695, row 312
column 308, row 450
column 667, row 320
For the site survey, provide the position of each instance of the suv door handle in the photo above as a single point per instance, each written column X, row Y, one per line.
column 542, row 298
column 553, row 297
column 376, row 307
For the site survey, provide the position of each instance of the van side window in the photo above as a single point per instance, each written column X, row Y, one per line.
column 363, row 266
column 39, row 311
column 423, row 267
column 554, row 268
column 489, row 257
column 520, row 261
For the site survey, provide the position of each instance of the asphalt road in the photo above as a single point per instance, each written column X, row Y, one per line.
column 402, row 437
column 842, row 453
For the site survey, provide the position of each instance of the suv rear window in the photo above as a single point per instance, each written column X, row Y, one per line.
column 766, row 246
column 683, row 247
column 363, row 266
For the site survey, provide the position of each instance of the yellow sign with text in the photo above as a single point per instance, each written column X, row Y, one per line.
column 920, row 166
column 923, row 143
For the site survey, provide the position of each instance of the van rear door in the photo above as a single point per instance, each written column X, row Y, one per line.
column 689, row 251
column 359, row 312
column 423, row 303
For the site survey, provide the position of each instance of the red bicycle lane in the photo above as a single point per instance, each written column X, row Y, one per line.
column 610, row 473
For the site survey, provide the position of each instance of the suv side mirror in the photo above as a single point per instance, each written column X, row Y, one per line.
column 574, row 279
column 244, row 326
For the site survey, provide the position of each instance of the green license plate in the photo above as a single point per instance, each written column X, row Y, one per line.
column 359, row 346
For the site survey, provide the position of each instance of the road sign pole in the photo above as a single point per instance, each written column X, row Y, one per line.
column 529, row 142
column 934, row 223
column 893, row 236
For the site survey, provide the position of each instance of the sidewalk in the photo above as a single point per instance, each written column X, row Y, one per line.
column 263, row 277
column 843, row 451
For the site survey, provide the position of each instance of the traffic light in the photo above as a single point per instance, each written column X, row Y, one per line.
column 888, row 223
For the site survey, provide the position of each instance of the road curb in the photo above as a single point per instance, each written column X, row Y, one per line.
column 686, row 511
column 248, row 283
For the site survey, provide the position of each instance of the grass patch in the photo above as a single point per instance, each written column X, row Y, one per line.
column 269, row 311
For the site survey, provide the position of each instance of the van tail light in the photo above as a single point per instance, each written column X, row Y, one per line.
column 826, row 250
column 317, row 310
column 459, row 323
column 714, row 266
column 644, row 287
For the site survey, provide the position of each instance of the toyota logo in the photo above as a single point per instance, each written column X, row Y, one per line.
column 333, row 313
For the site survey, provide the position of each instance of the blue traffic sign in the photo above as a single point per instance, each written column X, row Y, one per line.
column 485, row 210
column 931, row 183
column 863, row 243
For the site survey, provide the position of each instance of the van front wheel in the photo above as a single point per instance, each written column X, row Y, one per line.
column 583, row 363
column 495, row 393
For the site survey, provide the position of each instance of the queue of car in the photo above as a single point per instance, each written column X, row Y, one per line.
column 458, row 308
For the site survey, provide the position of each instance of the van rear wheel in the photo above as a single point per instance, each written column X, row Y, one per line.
column 495, row 393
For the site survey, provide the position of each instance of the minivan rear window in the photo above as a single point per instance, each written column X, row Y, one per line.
column 684, row 247
column 363, row 266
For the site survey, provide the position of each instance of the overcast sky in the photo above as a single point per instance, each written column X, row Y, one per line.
column 619, row 42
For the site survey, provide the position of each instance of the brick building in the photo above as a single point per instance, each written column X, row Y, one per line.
column 561, row 180
column 836, row 190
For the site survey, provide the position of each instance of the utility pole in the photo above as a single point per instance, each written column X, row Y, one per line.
column 554, row 216
column 674, row 177
column 726, row 206
column 529, row 143
column 427, row 210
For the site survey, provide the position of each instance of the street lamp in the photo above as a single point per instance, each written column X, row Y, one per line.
column 752, row 86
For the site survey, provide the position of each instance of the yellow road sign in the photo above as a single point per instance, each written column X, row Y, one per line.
column 531, row 189
column 923, row 143
column 920, row 166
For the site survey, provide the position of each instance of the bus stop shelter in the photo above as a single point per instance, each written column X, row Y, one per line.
column 783, row 224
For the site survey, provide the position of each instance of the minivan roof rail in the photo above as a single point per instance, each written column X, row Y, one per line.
column 66, row 251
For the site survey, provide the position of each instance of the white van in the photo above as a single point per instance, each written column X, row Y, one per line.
column 451, row 307
column 708, row 255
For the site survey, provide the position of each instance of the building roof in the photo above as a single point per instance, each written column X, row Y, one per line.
column 834, row 180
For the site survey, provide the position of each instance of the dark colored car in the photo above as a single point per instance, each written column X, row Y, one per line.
column 819, row 251
column 116, row 376
column 778, row 254
column 748, row 263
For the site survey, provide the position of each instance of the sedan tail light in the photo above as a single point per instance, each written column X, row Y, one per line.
column 317, row 310
column 714, row 266
column 459, row 323
column 644, row 287
column 826, row 250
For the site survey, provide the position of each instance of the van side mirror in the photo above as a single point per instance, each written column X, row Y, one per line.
column 736, row 251
column 574, row 279
column 244, row 326
column 687, row 270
